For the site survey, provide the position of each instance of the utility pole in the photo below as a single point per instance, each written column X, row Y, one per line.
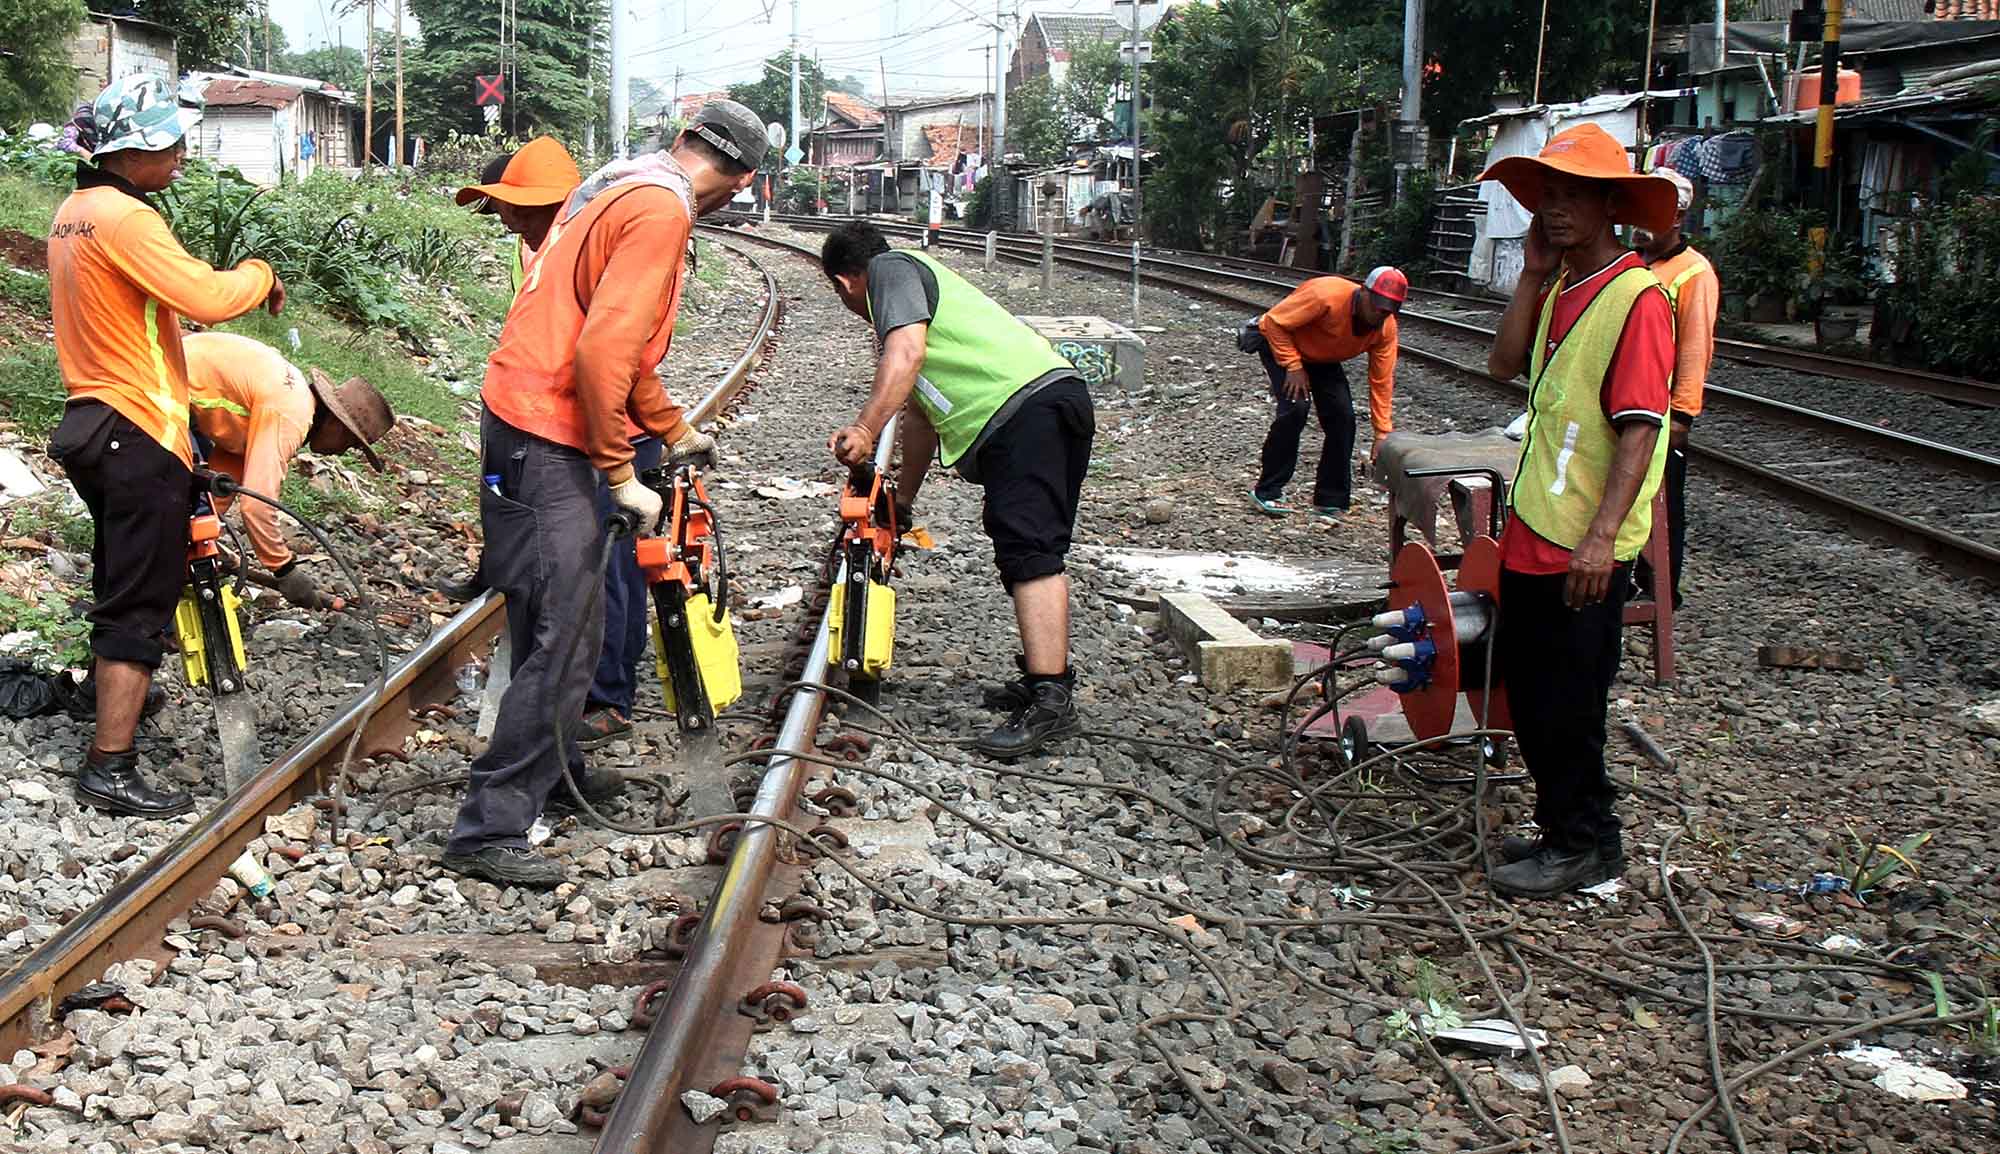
column 1829, row 91
column 1412, row 112
column 368, row 91
column 795, row 80
column 986, row 93
column 267, row 35
column 402, row 149
column 1541, row 40
column 621, row 91
column 590, row 93
column 999, row 86
column 1284, row 90
column 1138, row 202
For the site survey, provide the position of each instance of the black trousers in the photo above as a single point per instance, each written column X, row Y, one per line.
column 1032, row 469
column 544, row 544
column 1558, row 665
column 1334, row 480
column 1673, row 483
column 137, row 494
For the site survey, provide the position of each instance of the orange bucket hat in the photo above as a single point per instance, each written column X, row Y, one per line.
column 1588, row 151
column 541, row 173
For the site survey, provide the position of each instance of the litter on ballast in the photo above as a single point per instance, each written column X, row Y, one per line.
column 1904, row 1078
column 1494, row 1035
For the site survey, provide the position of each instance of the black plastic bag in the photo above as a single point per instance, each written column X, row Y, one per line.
column 26, row 691
column 1250, row 338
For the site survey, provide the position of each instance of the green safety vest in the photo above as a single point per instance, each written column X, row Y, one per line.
column 976, row 355
column 516, row 273
column 1567, row 452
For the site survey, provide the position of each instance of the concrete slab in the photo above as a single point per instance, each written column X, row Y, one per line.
column 1239, row 576
column 1227, row 656
column 1107, row 355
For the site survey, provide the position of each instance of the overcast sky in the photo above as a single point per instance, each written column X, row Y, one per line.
column 928, row 45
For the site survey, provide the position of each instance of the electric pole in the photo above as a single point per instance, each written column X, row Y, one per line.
column 402, row 149
column 999, row 86
column 1412, row 112
column 590, row 93
column 368, row 91
column 1138, row 40
column 621, row 92
column 267, row 35
column 795, row 85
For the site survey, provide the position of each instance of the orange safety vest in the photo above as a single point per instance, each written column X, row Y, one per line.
column 531, row 376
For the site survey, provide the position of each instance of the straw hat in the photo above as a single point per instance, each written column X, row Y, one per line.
column 1588, row 151
column 359, row 407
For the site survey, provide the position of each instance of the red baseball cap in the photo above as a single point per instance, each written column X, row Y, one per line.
column 1388, row 283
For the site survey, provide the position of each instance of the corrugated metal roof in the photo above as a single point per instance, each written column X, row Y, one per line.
column 236, row 92
column 1855, row 10
column 1061, row 28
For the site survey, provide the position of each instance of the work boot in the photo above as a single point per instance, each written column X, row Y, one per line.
column 602, row 726
column 1552, row 870
column 1518, row 847
column 507, row 866
column 1009, row 696
column 596, row 785
column 1048, row 716
column 461, row 589
column 111, row 782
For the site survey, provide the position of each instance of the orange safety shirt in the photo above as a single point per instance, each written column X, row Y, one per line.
column 1692, row 285
column 257, row 408
column 1316, row 324
column 593, row 318
column 119, row 283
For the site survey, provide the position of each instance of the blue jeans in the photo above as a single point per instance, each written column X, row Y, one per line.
column 626, row 605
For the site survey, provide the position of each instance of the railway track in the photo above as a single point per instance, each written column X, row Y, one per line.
column 132, row 920
column 1957, row 551
column 1965, row 390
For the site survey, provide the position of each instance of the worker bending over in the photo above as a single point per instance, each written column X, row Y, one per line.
column 1696, row 294
column 119, row 284
column 572, row 376
column 257, row 409
column 1597, row 344
column 1323, row 322
column 986, row 394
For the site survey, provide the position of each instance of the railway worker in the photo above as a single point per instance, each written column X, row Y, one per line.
column 1593, row 329
column 570, row 384
column 257, row 410
column 1323, row 322
column 119, row 283
column 998, row 403
column 1696, row 294
column 525, row 189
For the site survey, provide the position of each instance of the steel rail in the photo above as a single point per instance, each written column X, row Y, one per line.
column 1952, row 550
column 1965, row 390
column 130, row 919
column 648, row 1114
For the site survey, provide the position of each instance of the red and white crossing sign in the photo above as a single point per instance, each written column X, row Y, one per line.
column 488, row 90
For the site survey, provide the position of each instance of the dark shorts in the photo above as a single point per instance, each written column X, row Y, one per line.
column 1032, row 468
column 137, row 493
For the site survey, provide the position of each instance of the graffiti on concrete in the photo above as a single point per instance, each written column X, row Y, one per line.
column 1094, row 363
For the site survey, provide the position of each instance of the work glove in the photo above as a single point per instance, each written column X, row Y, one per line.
column 296, row 585
column 640, row 502
column 694, row 448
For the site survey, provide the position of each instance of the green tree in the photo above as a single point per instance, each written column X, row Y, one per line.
column 251, row 49
column 1085, row 94
column 340, row 66
column 36, row 81
column 770, row 95
column 206, row 32
column 461, row 40
column 1035, row 128
column 851, row 84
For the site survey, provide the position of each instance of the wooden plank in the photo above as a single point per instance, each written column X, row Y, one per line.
column 1799, row 657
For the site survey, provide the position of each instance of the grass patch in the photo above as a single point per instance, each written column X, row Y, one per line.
column 708, row 264
column 31, row 389
column 29, row 290
column 28, row 205
column 41, row 518
column 62, row 639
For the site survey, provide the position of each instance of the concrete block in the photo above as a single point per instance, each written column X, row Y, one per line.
column 1105, row 355
column 1226, row 655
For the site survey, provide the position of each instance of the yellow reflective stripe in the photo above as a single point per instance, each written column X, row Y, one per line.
column 223, row 403
column 175, row 411
column 1674, row 286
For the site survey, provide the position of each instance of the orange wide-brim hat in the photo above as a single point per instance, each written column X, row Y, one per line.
column 540, row 173
column 1588, row 151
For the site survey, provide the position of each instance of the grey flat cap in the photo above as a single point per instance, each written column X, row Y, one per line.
column 733, row 129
